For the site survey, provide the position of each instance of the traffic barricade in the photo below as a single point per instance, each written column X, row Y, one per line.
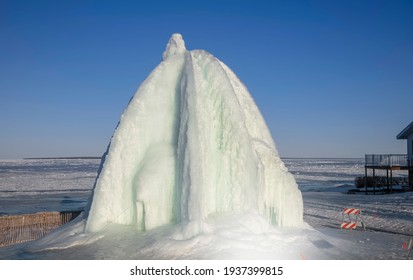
column 352, row 218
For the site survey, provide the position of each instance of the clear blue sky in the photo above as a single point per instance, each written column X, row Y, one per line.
column 332, row 78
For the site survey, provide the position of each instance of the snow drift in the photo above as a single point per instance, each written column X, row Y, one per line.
column 190, row 144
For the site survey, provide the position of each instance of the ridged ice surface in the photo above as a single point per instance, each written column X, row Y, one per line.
column 191, row 144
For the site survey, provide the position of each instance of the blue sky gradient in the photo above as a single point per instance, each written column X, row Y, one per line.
column 332, row 78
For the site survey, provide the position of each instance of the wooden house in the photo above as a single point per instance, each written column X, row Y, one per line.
column 407, row 134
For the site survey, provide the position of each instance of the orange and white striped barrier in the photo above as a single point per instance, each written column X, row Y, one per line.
column 354, row 218
column 353, row 211
column 351, row 225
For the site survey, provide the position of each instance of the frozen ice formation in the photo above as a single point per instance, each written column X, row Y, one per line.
column 191, row 144
column 176, row 45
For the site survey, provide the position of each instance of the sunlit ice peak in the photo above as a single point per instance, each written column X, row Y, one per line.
column 176, row 45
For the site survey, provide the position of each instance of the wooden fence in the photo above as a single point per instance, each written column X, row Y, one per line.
column 21, row 228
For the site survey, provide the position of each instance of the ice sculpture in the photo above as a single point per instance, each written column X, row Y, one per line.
column 191, row 143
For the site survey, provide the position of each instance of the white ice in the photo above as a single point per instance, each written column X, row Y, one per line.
column 191, row 144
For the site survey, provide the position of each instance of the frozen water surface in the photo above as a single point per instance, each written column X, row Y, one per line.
column 35, row 185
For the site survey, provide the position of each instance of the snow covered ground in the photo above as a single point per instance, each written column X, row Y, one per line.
column 28, row 186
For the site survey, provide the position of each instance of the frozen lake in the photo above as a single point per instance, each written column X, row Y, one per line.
column 32, row 185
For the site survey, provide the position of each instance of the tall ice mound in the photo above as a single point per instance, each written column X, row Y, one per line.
column 191, row 144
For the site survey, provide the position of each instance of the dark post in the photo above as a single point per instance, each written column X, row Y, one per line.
column 388, row 183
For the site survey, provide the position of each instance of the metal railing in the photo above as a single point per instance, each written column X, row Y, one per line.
column 388, row 160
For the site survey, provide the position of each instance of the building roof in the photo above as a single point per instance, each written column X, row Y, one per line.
column 406, row 132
